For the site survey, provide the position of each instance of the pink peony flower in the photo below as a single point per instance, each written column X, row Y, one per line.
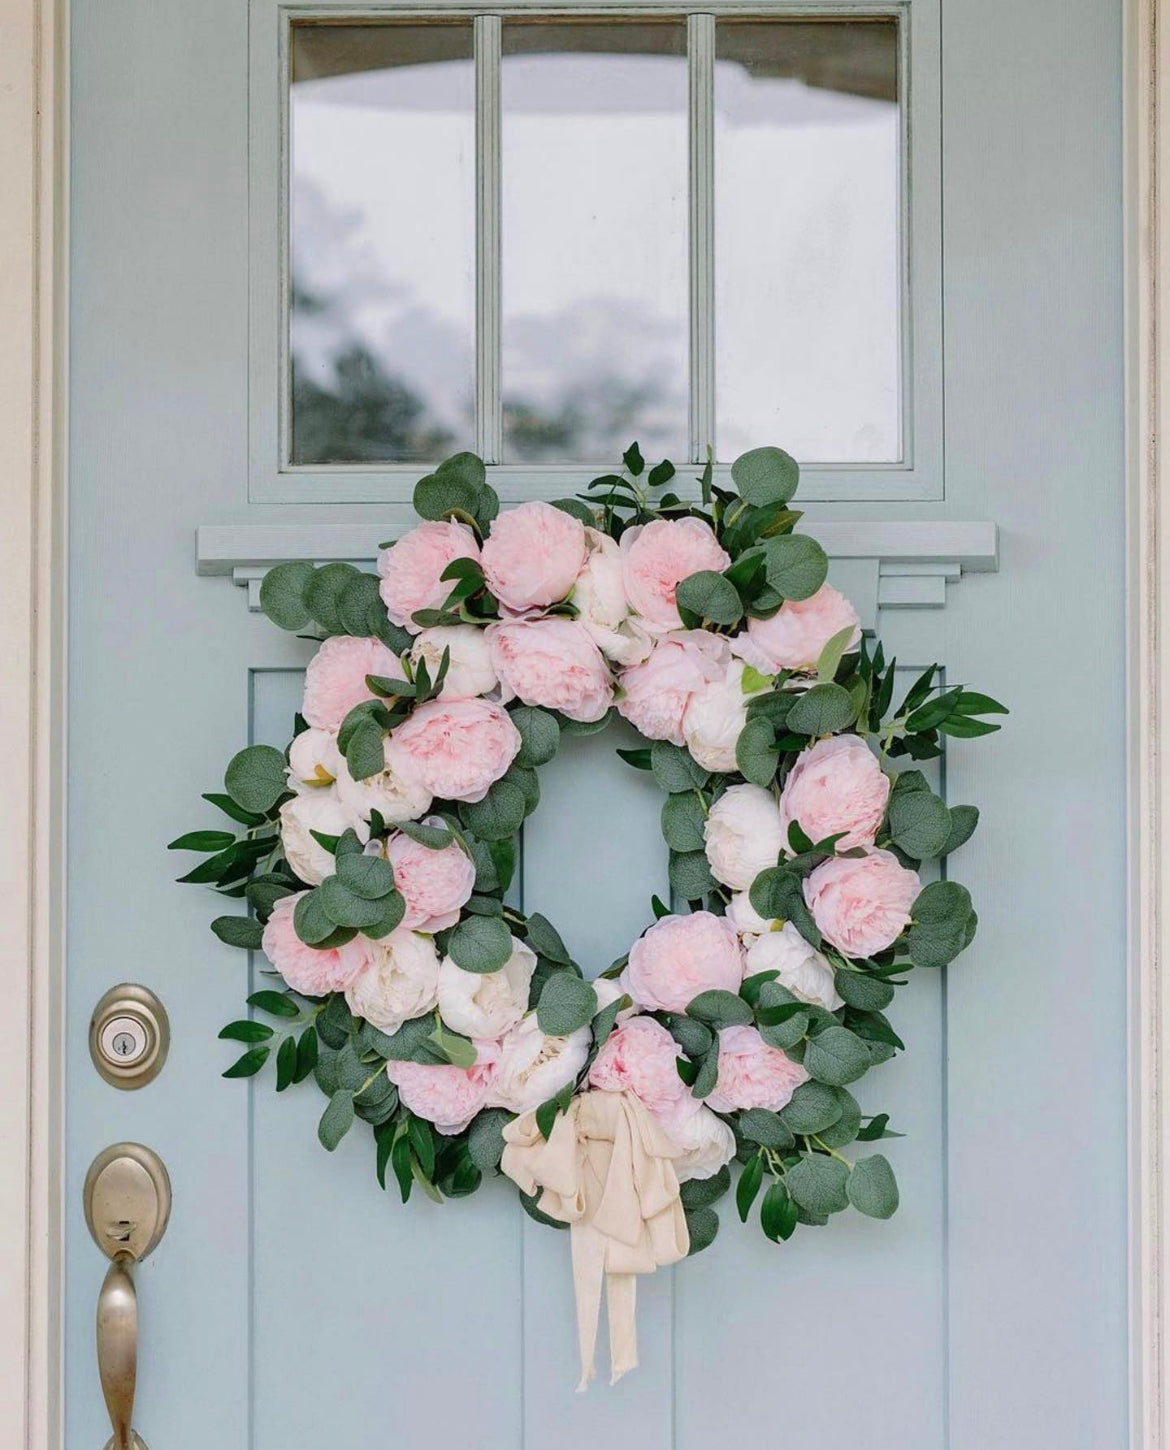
column 335, row 680
column 655, row 694
column 681, row 956
column 797, row 633
column 307, row 969
column 838, row 785
column 657, row 557
column 411, row 569
column 640, row 1057
column 459, row 747
column 435, row 883
column 532, row 556
column 551, row 662
column 447, row 1096
column 752, row 1074
column 863, row 904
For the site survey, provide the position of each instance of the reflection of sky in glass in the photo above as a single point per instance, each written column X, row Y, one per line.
column 807, row 252
column 594, row 228
column 383, row 248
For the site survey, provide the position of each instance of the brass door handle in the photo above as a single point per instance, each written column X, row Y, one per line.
column 127, row 1205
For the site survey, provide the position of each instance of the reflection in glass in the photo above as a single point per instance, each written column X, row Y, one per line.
column 807, row 288
column 382, row 307
column 594, row 223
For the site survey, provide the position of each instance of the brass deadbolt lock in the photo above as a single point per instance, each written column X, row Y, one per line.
column 129, row 1035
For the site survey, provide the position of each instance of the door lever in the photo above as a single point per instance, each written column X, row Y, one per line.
column 127, row 1199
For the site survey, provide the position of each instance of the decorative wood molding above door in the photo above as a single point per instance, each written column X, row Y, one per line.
column 903, row 564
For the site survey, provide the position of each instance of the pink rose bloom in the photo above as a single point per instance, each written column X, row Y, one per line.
column 335, row 680
column 412, row 568
column 458, row 747
column 797, row 633
column 444, row 1095
column 307, row 969
column 532, row 556
column 752, row 1074
column 640, row 1057
column 551, row 662
column 655, row 694
column 657, row 557
column 861, row 905
column 681, row 956
column 838, row 785
column 435, row 884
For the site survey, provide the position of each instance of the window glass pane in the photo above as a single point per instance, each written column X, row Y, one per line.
column 382, row 307
column 807, row 260
column 594, row 223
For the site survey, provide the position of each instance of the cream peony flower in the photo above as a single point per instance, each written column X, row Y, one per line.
column 743, row 835
column 715, row 717
column 486, row 1004
column 321, row 811
column 802, row 969
column 470, row 671
column 313, row 760
column 600, row 599
column 706, row 1142
column 397, row 792
column 401, row 981
column 746, row 919
column 534, row 1067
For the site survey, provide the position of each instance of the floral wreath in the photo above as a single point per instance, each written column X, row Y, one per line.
column 377, row 853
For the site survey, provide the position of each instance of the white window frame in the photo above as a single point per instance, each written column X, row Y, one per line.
column 274, row 479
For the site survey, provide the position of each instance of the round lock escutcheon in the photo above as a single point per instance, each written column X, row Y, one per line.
column 129, row 1035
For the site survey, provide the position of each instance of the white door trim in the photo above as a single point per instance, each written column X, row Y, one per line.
column 1147, row 109
column 33, row 312
column 32, row 572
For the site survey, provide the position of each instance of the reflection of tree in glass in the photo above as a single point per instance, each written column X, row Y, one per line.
column 586, row 422
column 363, row 414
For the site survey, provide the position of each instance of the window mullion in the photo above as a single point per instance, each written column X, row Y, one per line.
column 701, row 71
column 488, row 413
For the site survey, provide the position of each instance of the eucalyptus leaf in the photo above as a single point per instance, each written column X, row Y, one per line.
column 822, row 710
column 795, row 565
column 282, row 595
column 566, row 1003
column 255, row 778
column 480, row 944
column 872, row 1187
column 818, row 1184
column 765, row 476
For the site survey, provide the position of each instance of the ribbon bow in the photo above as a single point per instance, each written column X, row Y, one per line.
column 607, row 1171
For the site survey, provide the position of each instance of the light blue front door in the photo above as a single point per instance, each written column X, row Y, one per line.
column 292, row 1302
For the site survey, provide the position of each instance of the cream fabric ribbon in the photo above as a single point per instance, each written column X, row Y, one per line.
column 607, row 1171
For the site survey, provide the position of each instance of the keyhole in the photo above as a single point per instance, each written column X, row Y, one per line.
column 123, row 1044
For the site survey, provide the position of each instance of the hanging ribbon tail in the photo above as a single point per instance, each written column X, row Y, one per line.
column 607, row 1171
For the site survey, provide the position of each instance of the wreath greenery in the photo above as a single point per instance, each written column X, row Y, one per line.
column 838, row 945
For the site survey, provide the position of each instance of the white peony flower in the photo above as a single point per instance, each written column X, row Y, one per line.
column 397, row 792
column 313, row 760
column 803, row 970
column 322, row 811
column 743, row 835
column 608, row 990
column 533, row 1067
column 707, row 1142
column 746, row 919
column 400, row 982
column 486, row 1004
column 600, row 599
column 714, row 718
column 469, row 672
